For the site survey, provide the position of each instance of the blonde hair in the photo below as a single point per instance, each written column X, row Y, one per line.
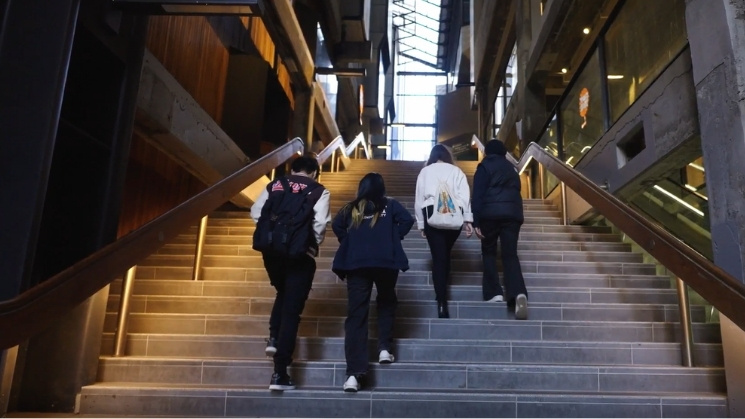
column 358, row 213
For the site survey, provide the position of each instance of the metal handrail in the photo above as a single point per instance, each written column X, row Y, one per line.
column 32, row 311
column 719, row 288
column 359, row 140
column 336, row 144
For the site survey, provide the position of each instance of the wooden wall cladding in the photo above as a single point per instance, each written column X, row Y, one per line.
column 267, row 50
column 190, row 48
column 154, row 185
column 284, row 79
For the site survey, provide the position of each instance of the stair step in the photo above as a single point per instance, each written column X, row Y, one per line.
column 247, row 229
column 414, row 292
column 248, row 255
column 471, row 247
column 426, row 328
column 570, row 279
column 411, row 309
column 425, row 376
column 214, row 401
column 414, row 235
column 631, row 268
column 423, row 350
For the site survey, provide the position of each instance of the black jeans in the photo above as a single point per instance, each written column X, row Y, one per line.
column 507, row 233
column 440, row 244
column 359, row 288
column 292, row 279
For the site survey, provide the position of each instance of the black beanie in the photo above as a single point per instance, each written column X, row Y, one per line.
column 495, row 147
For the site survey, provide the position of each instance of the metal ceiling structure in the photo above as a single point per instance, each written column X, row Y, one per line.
column 423, row 30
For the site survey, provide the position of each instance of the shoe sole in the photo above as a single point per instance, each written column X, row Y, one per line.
column 270, row 351
column 280, row 387
column 350, row 389
column 521, row 307
column 385, row 361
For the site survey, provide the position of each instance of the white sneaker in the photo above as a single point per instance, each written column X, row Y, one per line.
column 496, row 299
column 351, row 385
column 521, row 307
column 386, row 357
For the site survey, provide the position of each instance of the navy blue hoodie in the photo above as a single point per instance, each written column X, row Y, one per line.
column 372, row 247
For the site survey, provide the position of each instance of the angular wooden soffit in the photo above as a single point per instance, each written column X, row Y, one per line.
column 278, row 16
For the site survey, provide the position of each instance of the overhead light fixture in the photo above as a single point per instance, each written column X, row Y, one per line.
column 697, row 167
column 586, row 31
column 341, row 72
column 564, row 70
column 680, row 201
column 615, row 76
column 397, row 125
column 383, row 147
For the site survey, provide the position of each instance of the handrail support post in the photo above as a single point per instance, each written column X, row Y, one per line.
column 540, row 181
column 199, row 251
column 685, row 323
column 564, row 214
column 122, row 323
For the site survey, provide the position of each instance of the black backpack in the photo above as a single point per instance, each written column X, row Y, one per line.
column 286, row 223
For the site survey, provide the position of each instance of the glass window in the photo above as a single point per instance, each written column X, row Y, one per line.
column 549, row 142
column 415, row 97
column 582, row 113
column 641, row 42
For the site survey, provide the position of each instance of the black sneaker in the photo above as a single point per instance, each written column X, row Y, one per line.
column 281, row 382
column 271, row 346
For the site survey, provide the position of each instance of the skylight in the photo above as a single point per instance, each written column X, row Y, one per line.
column 421, row 35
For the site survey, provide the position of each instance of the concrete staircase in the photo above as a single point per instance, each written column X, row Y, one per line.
column 601, row 339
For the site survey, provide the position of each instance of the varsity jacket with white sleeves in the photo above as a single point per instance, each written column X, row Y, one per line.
column 428, row 182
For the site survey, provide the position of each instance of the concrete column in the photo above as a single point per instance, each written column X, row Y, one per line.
column 531, row 87
column 716, row 33
column 303, row 116
column 30, row 103
column 307, row 16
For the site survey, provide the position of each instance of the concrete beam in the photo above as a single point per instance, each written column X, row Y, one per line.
column 324, row 120
column 285, row 30
column 353, row 52
column 173, row 121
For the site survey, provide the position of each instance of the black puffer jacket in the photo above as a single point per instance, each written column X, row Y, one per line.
column 496, row 191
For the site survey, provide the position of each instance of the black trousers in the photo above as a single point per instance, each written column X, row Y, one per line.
column 359, row 288
column 506, row 232
column 292, row 279
column 440, row 245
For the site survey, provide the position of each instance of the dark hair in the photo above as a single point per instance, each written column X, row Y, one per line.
column 370, row 199
column 440, row 152
column 495, row 147
column 306, row 164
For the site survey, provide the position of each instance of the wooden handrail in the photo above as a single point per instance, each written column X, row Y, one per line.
column 715, row 285
column 30, row 312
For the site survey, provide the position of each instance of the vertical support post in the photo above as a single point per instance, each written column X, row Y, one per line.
column 528, row 176
column 120, row 336
column 540, row 181
column 8, row 359
column 197, row 273
column 685, row 323
column 564, row 203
